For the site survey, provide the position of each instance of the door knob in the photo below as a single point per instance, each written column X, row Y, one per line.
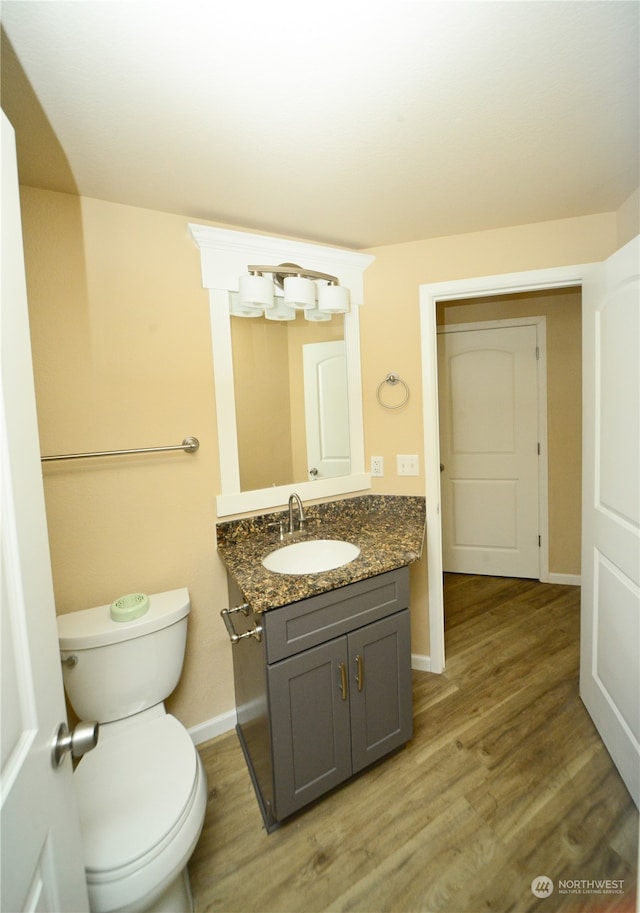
column 83, row 738
column 441, row 467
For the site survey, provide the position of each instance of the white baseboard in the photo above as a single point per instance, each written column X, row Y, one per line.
column 202, row 732
column 420, row 663
column 568, row 579
column 218, row 725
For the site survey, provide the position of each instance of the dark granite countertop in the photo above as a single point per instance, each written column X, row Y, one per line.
column 389, row 530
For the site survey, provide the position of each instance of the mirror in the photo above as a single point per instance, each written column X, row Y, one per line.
column 290, row 383
column 264, row 423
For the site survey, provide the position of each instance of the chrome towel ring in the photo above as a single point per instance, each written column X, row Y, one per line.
column 392, row 379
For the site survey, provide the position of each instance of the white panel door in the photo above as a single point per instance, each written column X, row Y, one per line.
column 326, row 405
column 42, row 865
column 488, row 401
column 610, row 621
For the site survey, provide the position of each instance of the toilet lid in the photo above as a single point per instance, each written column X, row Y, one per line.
column 132, row 790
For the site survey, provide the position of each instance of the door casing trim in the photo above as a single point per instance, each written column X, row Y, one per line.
column 429, row 295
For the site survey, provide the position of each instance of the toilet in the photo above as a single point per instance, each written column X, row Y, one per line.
column 142, row 790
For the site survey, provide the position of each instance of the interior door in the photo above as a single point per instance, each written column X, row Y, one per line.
column 42, row 866
column 488, row 403
column 326, row 409
column 610, row 620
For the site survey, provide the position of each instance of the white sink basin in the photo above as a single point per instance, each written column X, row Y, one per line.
column 311, row 557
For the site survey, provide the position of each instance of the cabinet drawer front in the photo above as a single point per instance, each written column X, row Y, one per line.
column 312, row 621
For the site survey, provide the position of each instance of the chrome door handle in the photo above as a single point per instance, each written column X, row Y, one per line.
column 83, row 738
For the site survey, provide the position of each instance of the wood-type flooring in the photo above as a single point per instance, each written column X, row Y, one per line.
column 504, row 784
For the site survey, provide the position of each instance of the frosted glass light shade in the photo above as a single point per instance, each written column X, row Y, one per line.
column 333, row 299
column 237, row 309
column 299, row 293
column 280, row 311
column 255, row 291
column 315, row 314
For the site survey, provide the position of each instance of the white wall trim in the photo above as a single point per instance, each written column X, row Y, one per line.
column 264, row 499
column 420, row 662
column 567, row 579
column 209, row 729
column 224, row 256
column 226, row 253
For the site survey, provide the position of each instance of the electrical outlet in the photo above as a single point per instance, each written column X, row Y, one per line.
column 407, row 464
column 377, row 466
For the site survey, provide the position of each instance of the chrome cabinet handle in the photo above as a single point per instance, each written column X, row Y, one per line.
column 359, row 672
column 343, row 680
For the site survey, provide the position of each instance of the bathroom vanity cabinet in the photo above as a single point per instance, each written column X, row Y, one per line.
column 325, row 692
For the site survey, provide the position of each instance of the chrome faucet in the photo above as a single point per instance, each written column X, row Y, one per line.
column 301, row 518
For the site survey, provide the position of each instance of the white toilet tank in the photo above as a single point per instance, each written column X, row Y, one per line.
column 113, row 669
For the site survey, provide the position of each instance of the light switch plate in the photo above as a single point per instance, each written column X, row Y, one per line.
column 408, row 464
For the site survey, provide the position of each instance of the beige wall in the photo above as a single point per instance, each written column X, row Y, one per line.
column 628, row 218
column 122, row 357
column 390, row 332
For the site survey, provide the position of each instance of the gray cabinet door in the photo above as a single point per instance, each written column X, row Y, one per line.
column 380, row 688
column 310, row 730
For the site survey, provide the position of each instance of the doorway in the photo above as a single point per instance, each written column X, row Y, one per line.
column 491, row 298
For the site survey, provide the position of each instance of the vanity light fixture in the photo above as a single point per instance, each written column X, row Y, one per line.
column 317, row 294
column 299, row 292
column 238, row 309
column 280, row 311
column 315, row 315
column 255, row 291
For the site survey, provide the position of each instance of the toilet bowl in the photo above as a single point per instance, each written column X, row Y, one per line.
column 142, row 795
column 142, row 791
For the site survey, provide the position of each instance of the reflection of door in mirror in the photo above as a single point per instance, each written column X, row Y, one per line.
column 326, row 409
column 269, row 394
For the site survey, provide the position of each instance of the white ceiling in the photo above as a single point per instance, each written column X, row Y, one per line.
column 357, row 123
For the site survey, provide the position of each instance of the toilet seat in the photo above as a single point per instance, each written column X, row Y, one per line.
column 141, row 797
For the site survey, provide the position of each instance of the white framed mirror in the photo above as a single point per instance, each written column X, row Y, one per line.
column 267, row 397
